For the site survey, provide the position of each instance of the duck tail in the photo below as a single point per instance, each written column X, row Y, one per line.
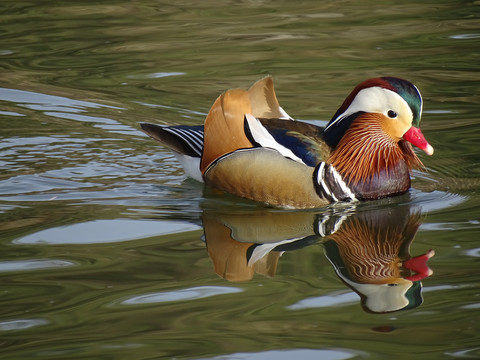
column 185, row 140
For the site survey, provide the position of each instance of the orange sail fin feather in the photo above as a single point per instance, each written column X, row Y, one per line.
column 264, row 101
column 224, row 126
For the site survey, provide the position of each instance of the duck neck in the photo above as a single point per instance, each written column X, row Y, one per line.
column 373, row 164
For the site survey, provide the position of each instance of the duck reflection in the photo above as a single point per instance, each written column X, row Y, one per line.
column 371, row 254
column 369, row 249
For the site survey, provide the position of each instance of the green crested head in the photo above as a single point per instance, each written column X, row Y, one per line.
column 410, row 94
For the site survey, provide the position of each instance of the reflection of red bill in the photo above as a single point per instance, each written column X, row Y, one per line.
column 419, row 266
column 415, row 137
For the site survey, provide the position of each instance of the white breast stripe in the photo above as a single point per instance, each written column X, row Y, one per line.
column 342, row 184
column 321, row 181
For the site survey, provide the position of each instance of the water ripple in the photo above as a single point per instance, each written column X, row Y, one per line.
column 473, row 252
column 32, row 264
column 472, row 353
column 156, row 75
column 328, row 300
column 464, row 36
column 21, row 324
column 194, row 293
column 325, row 354
column 47, row 101
column 105, row 231
column 10, row 113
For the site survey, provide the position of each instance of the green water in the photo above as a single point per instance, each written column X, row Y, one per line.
column 108, row 252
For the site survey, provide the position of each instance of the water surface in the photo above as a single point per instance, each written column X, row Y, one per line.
column 108, row 251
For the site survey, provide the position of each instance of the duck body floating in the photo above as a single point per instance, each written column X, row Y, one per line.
column 250, row 147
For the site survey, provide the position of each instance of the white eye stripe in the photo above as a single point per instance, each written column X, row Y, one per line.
column 375, row 100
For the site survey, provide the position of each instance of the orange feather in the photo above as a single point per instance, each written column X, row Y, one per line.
column 264, row 101
column 224, row 126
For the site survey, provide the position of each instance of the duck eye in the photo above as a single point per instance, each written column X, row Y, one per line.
column 392, row 114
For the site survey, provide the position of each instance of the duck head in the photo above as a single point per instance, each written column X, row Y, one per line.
column 395, row 102
column 372, row 132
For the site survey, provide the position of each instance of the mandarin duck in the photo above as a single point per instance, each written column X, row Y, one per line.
column 250, row 147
